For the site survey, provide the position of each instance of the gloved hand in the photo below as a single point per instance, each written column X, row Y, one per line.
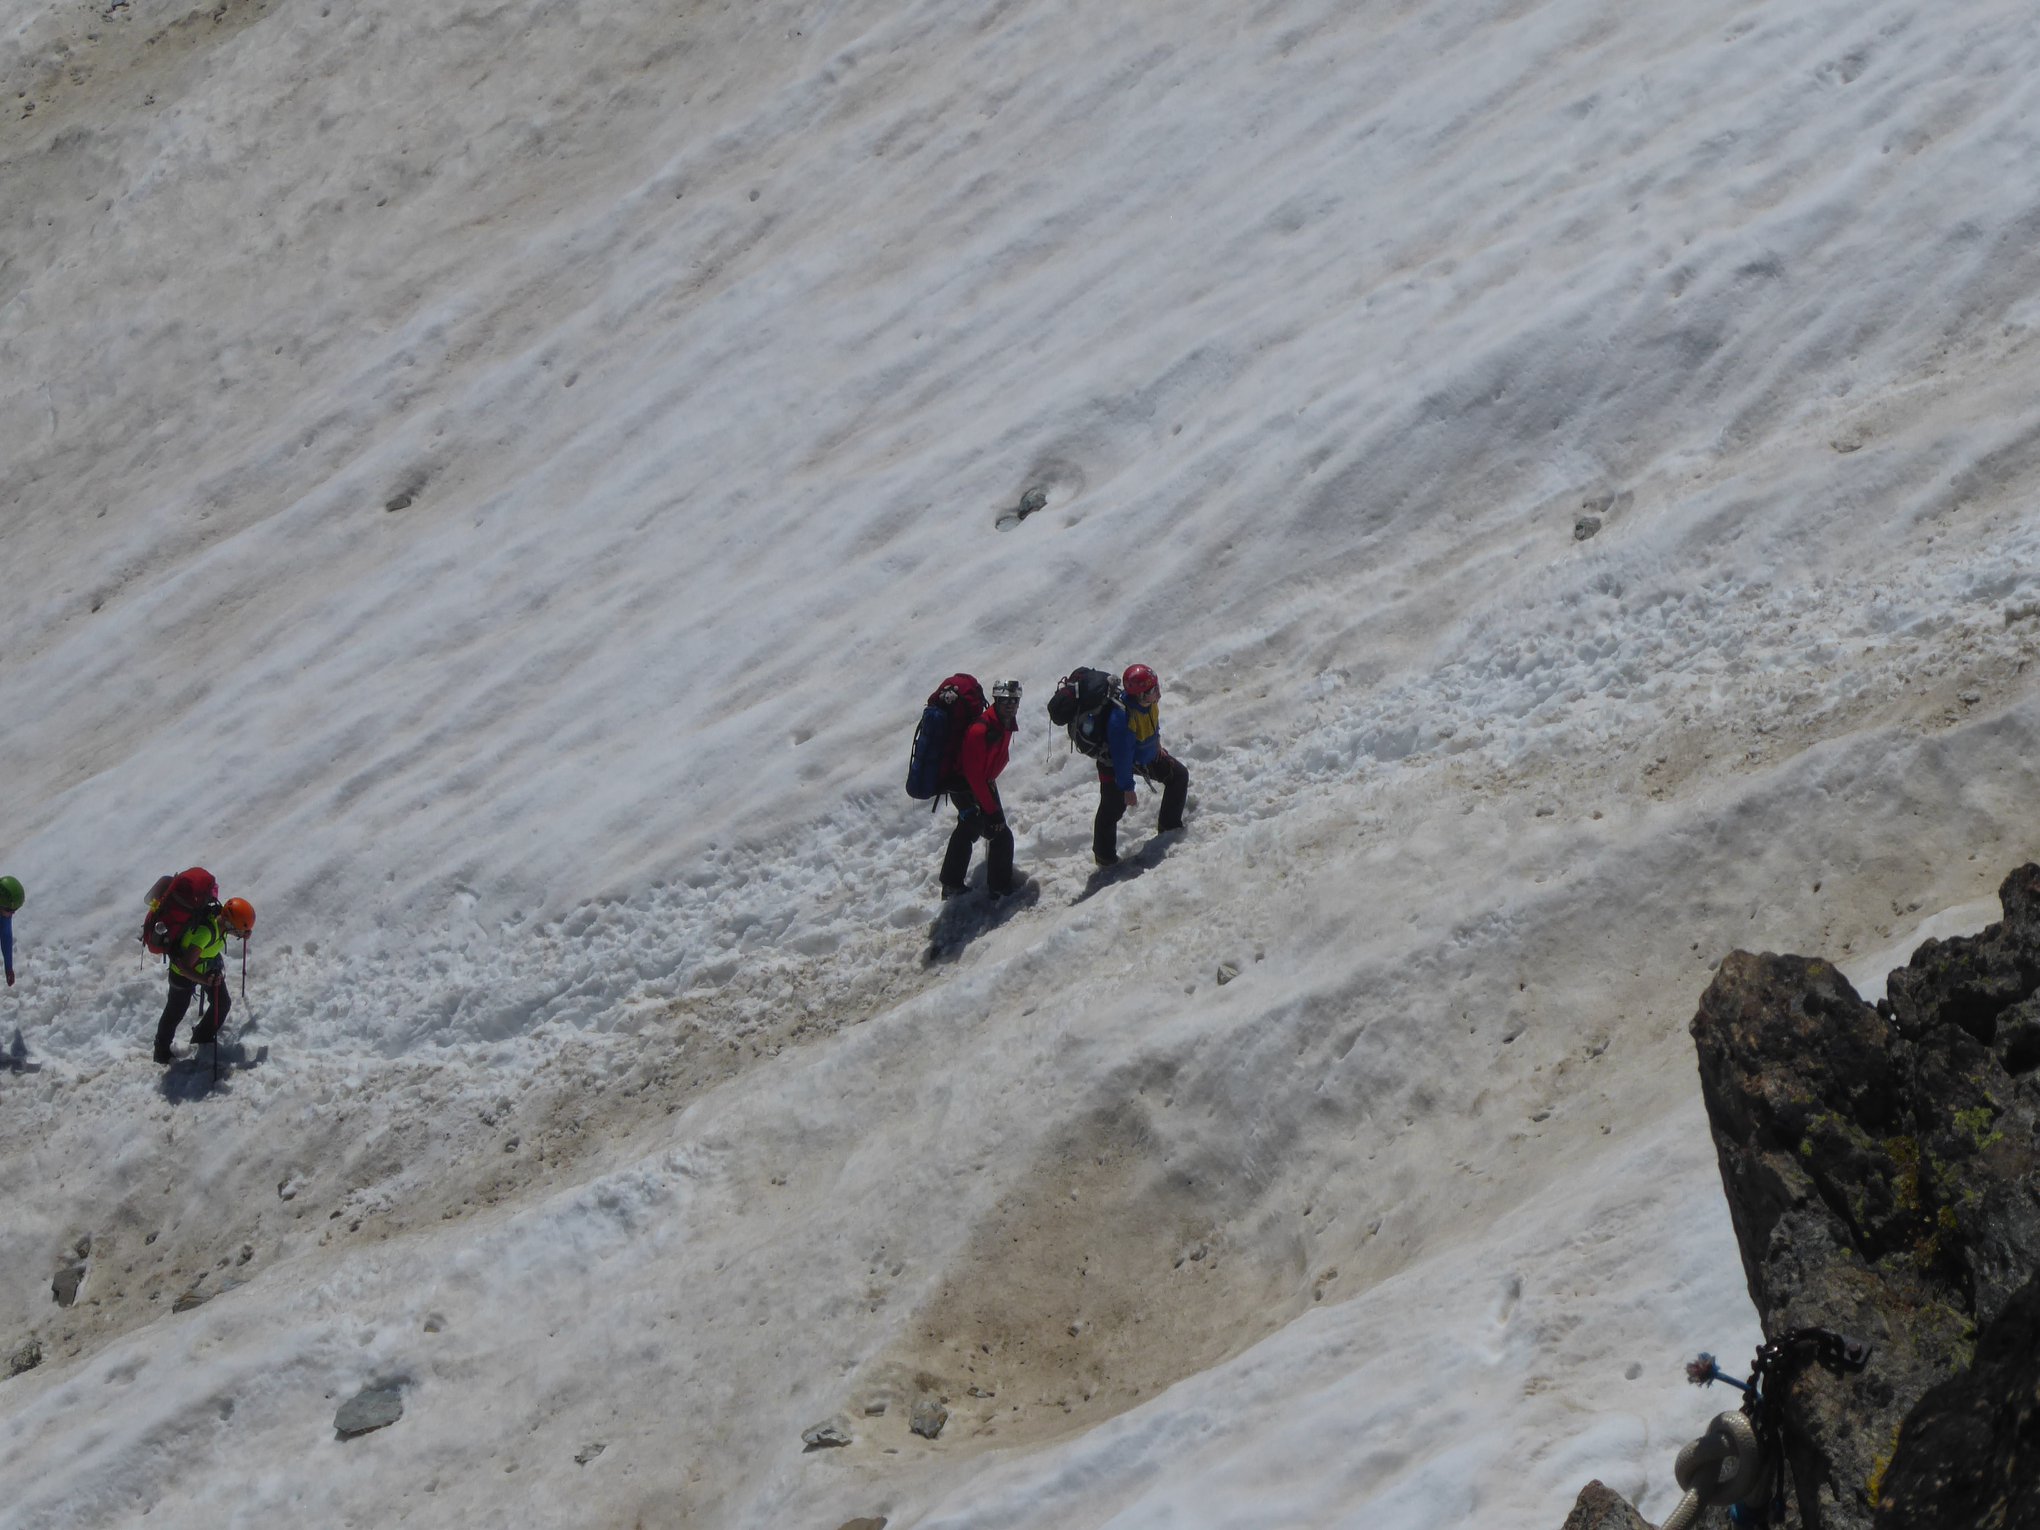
column 991, row 823
column 1132, row 798
column 10, row 977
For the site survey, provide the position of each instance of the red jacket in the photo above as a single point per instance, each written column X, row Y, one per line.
column 984, row 755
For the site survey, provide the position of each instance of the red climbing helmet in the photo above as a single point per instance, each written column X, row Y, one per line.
column 1139, row 680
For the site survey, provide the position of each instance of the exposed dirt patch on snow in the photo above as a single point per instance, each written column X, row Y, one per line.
column 1107, row 1274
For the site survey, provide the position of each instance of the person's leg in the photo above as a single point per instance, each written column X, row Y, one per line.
column 999, row 854
column 218, row 1000
column 1174, row 777
column 1105, row 827
column 173, row 1014
column 956, row 860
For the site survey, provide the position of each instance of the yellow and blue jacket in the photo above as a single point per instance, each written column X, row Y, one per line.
column 1133, row 738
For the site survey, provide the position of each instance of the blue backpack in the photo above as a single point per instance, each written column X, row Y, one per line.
column 954, row 705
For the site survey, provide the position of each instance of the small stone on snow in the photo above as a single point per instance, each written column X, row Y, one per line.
column 369, row 1409
column 828, row 1436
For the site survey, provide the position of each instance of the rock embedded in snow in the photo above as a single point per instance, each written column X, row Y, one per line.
column 589, row 1452
column 369, row 1409
column 929, row 1417
column 831, row 1435
column 873, row 1522
column 25, row 1358
column 64, row 1286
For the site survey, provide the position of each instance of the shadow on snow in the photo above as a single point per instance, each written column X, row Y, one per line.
column 208, row 1069
column 15, row 1060
column 970, row 914
column 1149, row 856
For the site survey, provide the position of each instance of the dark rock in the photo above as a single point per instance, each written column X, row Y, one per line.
column 1034, row 499
column 588, row 1453
column 1881, row 1172
column 875, row 1522
column 1600, row 1507
column 64, row 1287
column 1972, row 981
column 369, row 1409
column 2018, row 1037
column 25, row 1358
column 928, row 1418
column 1969, row 1453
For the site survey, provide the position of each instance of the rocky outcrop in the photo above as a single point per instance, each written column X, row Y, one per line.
column 1880, row 1166
column 1969, row 1453
column 1600, row 1507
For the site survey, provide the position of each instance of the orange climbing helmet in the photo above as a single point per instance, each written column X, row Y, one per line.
column 239, row 917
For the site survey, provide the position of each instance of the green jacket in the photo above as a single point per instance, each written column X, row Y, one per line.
column 198, row 952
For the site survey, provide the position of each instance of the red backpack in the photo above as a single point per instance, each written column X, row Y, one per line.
column 172, row 903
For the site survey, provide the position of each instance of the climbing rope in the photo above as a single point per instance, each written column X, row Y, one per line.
column 1724, row 1468
column 1739, row 1463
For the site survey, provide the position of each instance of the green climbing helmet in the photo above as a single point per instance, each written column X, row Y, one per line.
column 11, row 895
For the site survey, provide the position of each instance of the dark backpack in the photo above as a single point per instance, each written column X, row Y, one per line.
column 952, row 707
column 1082, row 703
column 173, row 903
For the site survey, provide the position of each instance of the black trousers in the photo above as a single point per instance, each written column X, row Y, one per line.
column 1165, row 771
column 972, row 825
column 212, row 1014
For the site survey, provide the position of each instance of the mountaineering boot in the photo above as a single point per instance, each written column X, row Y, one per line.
column 165, row 1055
column 1104, row 858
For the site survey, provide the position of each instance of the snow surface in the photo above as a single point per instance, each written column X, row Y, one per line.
column 494, row 482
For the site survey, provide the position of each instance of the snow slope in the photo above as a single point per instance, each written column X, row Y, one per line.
column 494, row 482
